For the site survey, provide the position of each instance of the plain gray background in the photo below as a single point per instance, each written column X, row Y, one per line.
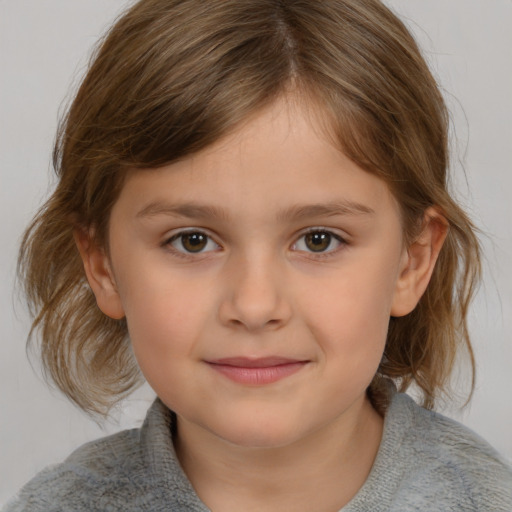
column 43, row 51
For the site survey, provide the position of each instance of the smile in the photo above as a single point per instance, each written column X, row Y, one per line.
column 257, row 372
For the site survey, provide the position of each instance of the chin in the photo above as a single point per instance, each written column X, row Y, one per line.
column 261, row 434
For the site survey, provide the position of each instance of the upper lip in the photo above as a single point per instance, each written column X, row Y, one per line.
column 259, row 362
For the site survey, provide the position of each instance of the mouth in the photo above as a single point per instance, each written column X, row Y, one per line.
column 257, row 372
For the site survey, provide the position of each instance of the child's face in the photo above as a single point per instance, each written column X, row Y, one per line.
column 257, row 278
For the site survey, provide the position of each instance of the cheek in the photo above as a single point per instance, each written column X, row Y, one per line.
column 166, row 317
column 157, row 297
column 349, row 315
column 164, row 336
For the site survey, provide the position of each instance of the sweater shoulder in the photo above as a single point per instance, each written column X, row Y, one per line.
column 96, row 474
column 451, row 442
column 456, row 455
column 132, row 470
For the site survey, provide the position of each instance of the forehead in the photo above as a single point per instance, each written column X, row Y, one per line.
column 279, row 158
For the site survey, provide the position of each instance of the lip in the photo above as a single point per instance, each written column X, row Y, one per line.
column 257, row 371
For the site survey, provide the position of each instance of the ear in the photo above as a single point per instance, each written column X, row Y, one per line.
column 418, row 262
column 99, row 274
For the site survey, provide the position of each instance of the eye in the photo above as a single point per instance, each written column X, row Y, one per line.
column 318, row 241
column 192, row 242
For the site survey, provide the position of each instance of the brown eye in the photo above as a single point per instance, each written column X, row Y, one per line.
column 318, row 241
column 192, row 242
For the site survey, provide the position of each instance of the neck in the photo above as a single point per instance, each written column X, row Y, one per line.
column 326, row 468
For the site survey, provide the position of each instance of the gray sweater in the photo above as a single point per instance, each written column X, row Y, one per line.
column 426, row 462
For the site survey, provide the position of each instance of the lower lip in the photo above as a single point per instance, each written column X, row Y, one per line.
column 258, row 376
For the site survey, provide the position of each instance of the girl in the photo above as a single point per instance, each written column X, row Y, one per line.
column 252, row 213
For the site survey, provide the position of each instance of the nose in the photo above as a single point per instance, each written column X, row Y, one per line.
column 256, row 296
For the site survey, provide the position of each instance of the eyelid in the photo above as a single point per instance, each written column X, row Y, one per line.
column 177, row 233
column 320, row 229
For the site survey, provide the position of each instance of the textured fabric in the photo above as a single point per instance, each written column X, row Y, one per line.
column 426, row 462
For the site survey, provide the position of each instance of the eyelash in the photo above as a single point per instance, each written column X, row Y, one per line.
column 333, row 238
column 168, row 243
column 184, row 253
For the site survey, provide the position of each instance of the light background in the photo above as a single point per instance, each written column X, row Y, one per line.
column 43, row 52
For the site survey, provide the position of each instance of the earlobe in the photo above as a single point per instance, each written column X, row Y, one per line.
column 99, row 274
column 419, row 260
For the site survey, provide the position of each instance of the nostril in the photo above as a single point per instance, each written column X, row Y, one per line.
column 235, row 322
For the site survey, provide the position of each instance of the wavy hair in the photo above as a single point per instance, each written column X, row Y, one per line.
column 172, row 77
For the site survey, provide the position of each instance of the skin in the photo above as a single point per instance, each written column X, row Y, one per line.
column 258, row 288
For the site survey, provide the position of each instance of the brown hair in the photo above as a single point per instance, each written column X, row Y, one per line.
column 172, row 77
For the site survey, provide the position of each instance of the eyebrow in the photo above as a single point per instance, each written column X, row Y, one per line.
column 300, row 212
column 294, row 212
